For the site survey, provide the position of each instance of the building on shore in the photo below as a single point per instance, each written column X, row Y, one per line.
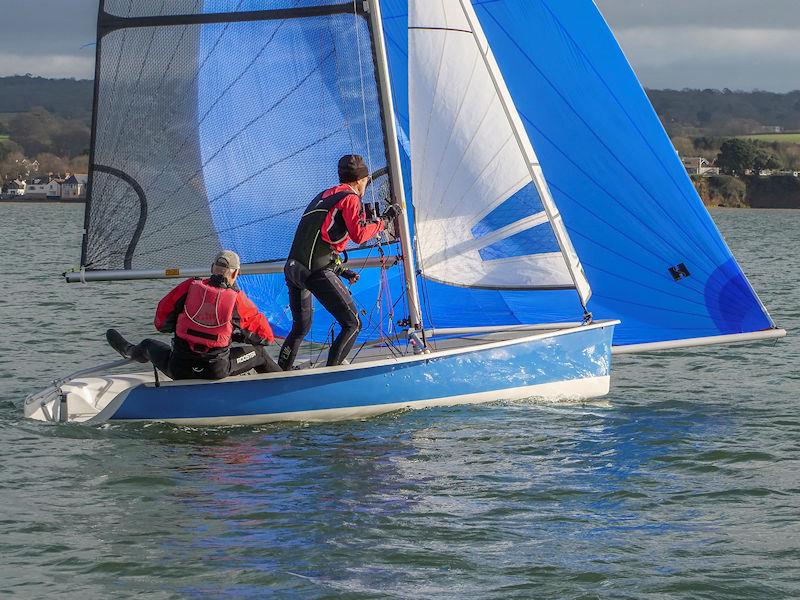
column 43, row 188
column 74, row 187
column 14, row 188
column 697, row 165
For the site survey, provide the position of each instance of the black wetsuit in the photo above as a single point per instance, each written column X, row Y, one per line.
column 179, row 362
column 332, row 219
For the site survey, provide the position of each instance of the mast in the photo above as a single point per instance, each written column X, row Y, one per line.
column 390, row 133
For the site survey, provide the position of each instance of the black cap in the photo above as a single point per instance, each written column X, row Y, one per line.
column 352, row 168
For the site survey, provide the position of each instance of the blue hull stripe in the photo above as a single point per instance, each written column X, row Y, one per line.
column 583, row 353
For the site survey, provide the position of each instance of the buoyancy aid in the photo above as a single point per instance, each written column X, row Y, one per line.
column 308, row 247
column 206, row 319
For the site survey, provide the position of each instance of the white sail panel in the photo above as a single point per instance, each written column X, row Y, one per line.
column 483, row 214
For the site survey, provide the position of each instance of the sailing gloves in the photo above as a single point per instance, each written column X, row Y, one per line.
column 391, row 213
column 350, row 275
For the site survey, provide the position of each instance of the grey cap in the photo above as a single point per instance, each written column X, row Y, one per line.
column 227, row 259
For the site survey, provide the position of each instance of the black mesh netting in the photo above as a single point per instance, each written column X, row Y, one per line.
column 219, row 134
column 147, row 8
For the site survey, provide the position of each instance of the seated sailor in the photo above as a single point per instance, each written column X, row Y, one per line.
column 206, row 316
column 333, row 218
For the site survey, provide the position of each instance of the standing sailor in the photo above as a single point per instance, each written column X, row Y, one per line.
column 206, row 315
column 333, row 218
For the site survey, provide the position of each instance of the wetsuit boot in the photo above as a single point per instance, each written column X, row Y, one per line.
column 124, row 347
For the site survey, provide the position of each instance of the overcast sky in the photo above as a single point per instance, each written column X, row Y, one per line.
column 738, row 44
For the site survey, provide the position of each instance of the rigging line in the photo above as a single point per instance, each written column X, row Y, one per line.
column 681, row 190
column 363, row 91
column 241, row 183
column 235, row 136
column 598, row 137
column 628, row 211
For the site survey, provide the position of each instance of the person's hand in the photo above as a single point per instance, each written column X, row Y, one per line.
column 391, row 213
column 351, row 276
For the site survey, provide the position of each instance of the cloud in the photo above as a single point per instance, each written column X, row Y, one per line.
column 739, row 44
column 695, row 56
column 726, row 14
column 49, row 65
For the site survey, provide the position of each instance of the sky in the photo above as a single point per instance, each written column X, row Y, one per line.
column 736, row 44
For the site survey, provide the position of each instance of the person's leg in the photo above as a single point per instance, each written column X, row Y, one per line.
column 302, row 307
column 155, row 352
column 122, row 346
column 188, row 367
column 244, row 358
column 331, row 293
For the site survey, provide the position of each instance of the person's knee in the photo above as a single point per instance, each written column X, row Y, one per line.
column 351, row 323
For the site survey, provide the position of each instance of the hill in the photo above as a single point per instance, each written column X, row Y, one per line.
column 725, row 113
column 67, row 98
column 684, row 112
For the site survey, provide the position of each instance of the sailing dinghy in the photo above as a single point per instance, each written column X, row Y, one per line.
column 538, row 184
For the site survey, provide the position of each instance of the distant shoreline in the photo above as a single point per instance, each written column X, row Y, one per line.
column 42, row 201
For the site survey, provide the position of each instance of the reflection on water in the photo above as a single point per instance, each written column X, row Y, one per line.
column 683, row 483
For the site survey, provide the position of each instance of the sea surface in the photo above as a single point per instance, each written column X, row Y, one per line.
column 683, row 483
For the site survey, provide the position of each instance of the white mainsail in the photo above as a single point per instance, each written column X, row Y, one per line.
column 484, row 215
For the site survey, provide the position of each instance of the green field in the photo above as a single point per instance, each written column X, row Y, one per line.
column 783, row 138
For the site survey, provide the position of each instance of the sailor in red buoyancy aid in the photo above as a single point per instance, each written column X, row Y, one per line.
column 206, row 316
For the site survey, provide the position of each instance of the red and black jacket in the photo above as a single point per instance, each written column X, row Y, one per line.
column 249, row 325
column 333, row 218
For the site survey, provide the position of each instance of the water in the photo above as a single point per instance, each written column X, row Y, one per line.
column 683, row 483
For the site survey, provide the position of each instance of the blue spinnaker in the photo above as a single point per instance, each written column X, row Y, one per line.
column 652, row 254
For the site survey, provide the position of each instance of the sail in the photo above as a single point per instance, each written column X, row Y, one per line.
column 217, row 122
column 650, row 250
column 484, row 216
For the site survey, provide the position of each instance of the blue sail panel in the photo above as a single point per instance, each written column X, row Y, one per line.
column 279, row 101
column 629, row 206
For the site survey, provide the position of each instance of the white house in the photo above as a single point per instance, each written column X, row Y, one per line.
column 74, row 187
column 43, row 187
column 15, row 188
column 697, row 165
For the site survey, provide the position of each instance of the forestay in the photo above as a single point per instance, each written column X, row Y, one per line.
column 651, row 252
column 484, row 216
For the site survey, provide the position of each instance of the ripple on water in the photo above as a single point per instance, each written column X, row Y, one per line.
column 683, row 483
